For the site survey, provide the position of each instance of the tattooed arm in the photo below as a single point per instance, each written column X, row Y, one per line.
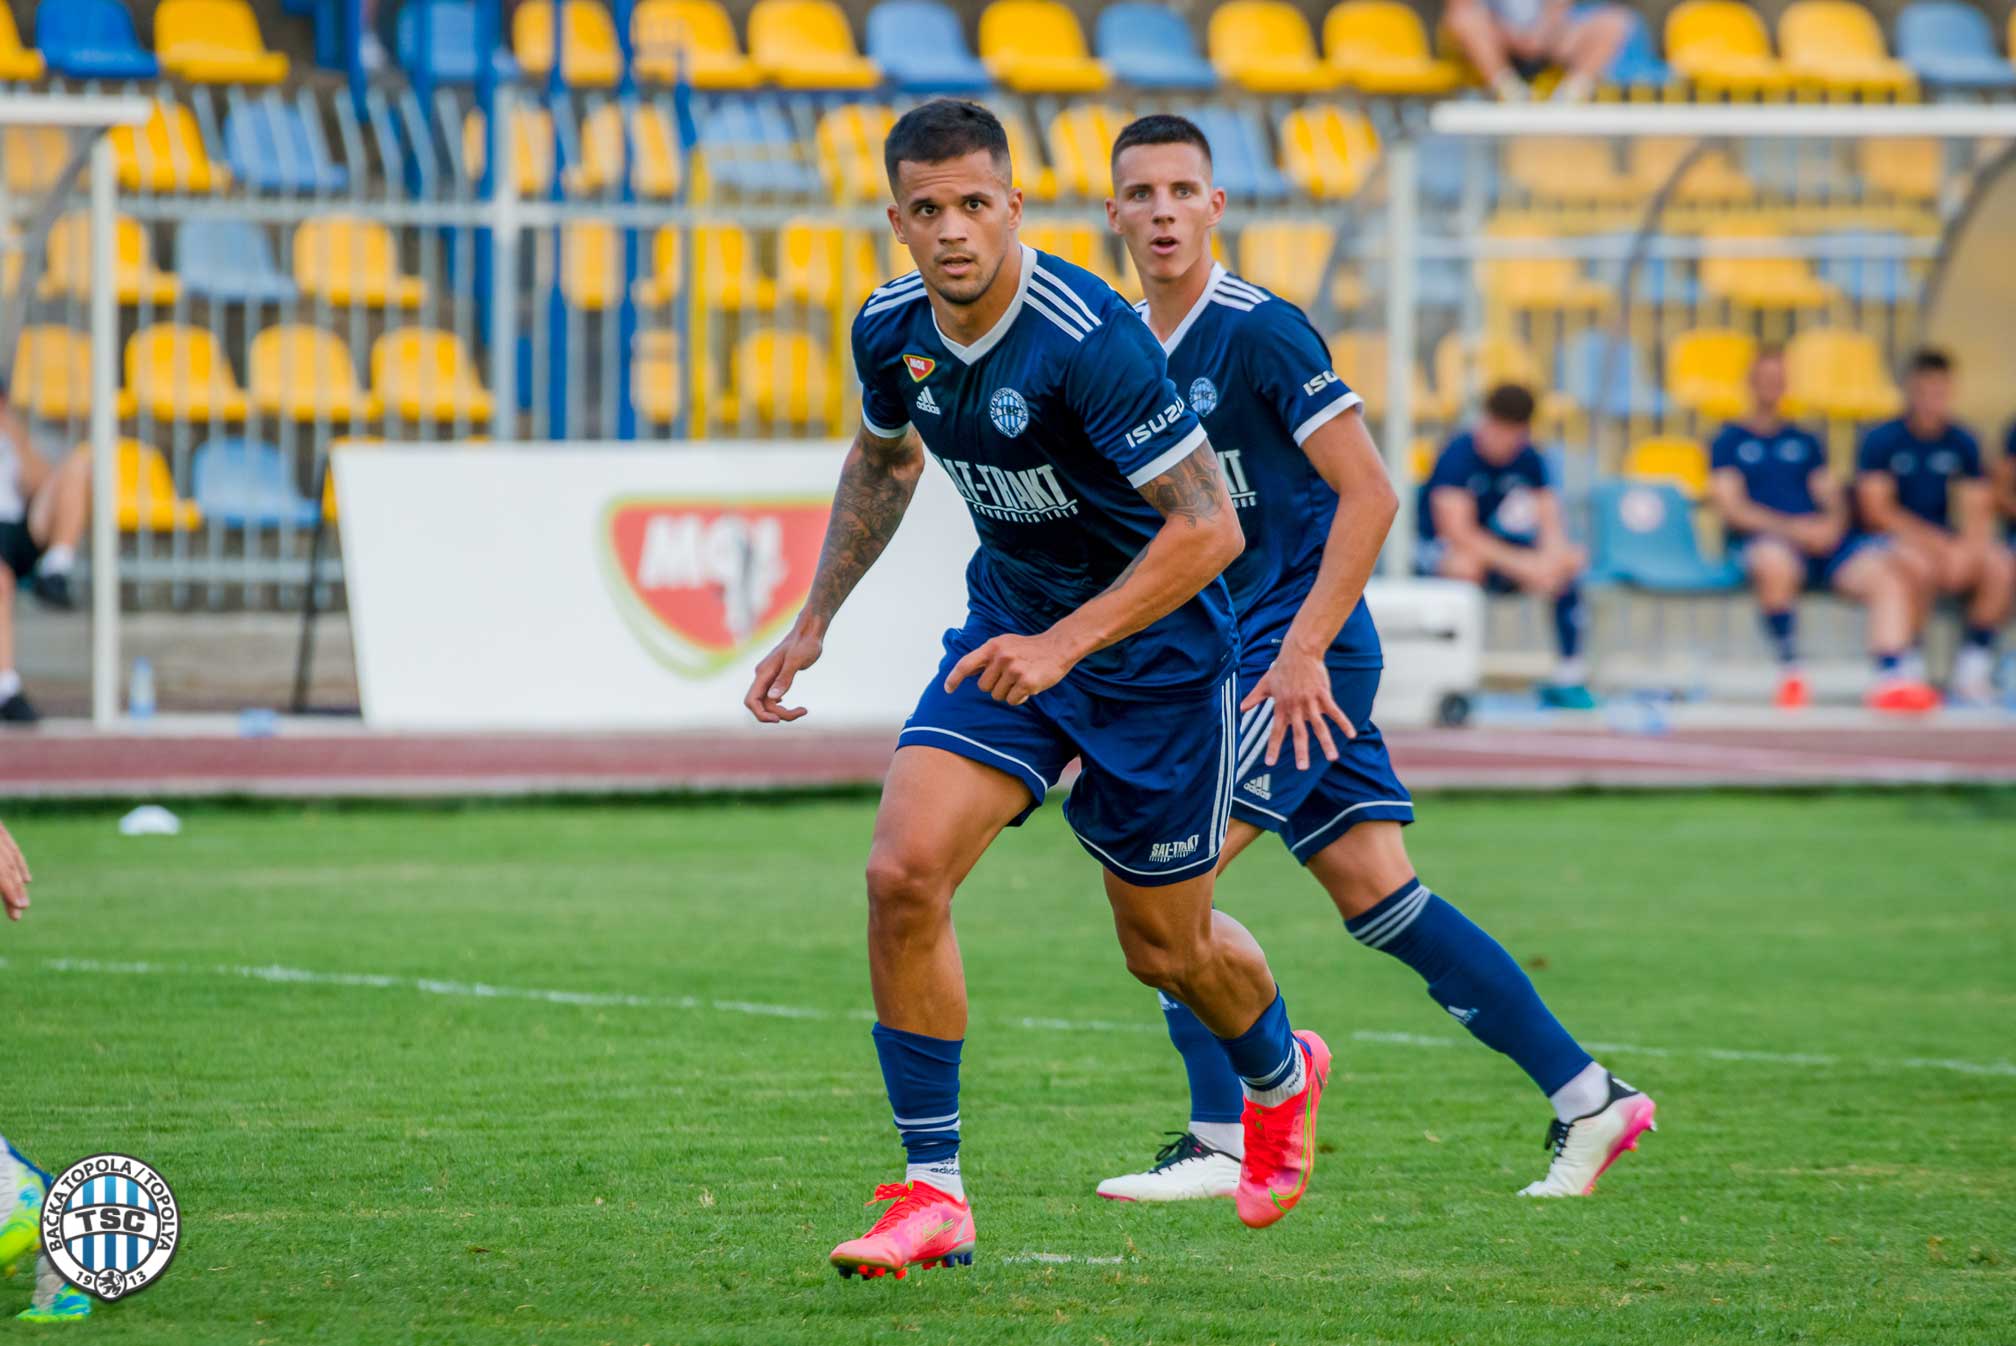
column 1199, row 537
column 876, row 483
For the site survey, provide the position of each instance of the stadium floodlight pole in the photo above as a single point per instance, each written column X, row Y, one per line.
column 1402, row 187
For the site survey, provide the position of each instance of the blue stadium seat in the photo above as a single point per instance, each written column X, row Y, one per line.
column 1151, row 47
column 1868, row 279
column 1645, row 538
column 1608, row 375
column 244, row 484
column 922, row 49
column 272, row 148
column 752, row 147
column 1242, row 160
column 230, row 262
column 1637, row 63
column 92, row 39
column 1950, row 46
column 448, row 54
column 1657, row 280
column 1446, row 166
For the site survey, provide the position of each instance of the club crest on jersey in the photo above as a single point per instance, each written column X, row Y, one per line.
column 1009, row 411
column 1203, row 396
column 920, row 367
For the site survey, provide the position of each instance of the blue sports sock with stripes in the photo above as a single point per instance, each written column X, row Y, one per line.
column 922, row 1076
column 1215, row 1095
column 1568, row 621
column 1781, row 631
column 1266, row 1057
column 1470, row 975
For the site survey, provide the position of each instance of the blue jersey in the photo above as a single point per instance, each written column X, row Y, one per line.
column 1924, row 469
column 1255, row 372
column 1777, row 468
column 1505, row 493
column 1048, row 425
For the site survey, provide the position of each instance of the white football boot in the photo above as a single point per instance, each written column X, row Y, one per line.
column 1186, row 1169
column 1591, row 1143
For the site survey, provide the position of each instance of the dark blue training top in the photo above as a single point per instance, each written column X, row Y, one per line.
column 1777, row 468
column 1504, row 492
column 1925, row 469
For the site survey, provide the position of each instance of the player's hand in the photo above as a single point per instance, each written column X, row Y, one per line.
column 1012, row 668
column 796, row 652
column 1299, row 686
column 14, row 877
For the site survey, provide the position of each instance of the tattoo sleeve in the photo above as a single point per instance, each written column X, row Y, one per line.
column 876, row 483
column 1192, row 490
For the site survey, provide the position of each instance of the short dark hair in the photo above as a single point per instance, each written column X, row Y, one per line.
column 1929, row 360
column 945, row 128
column 1160, row 128
column 1511, row 403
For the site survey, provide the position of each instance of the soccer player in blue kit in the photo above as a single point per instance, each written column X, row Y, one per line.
column 1097, row 628
column 1315, row 503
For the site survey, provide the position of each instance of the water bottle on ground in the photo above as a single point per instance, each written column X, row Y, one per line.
column 140, row 690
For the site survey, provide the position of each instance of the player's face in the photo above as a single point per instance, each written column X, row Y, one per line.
column 958, row 217
column 1499, row 441
column 1164, row 206
column 1930, row 395
column 1767, row 383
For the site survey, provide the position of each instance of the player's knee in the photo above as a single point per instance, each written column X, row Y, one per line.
column 1463, row 565
column 905, row 889
column 1164, row 961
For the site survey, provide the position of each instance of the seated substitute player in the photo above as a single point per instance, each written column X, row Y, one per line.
column 1512, row 41
column 1787, row 521
column 43, row 510
column 1919, row 483
column 1314, row 501
column 1489, row 515
column 1097, row 628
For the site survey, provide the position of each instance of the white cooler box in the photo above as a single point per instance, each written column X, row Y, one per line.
column 1433, row 634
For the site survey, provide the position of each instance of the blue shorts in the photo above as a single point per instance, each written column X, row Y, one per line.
column 1151, row 804
column 1310, row 809
column 1822, row 570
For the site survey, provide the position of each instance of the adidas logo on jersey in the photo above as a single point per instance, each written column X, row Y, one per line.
column 1162, row 852
column 926, row 402
column 1263, row 786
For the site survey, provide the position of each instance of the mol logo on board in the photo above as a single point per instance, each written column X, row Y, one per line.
column 700, row 580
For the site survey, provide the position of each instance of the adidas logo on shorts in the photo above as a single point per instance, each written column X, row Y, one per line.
column 1262, row 786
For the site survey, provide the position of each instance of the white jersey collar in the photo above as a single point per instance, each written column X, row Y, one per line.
column 992, row 336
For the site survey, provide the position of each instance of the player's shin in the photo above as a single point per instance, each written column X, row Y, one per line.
column 922, row 1076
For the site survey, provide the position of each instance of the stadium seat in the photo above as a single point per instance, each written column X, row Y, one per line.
column 1380, row 47
column 1149, row 46
column 244, row 484
column 591, row 265
column 17, row 62
column 214, row 42
column 1328, row 152
column 166, row 154
column 1721, row 46
column 93, row 39
column 437, row 38
column 1836, row 47
column 146, row 492
column 750, row 146
column 67, row 272
column 781, row 378
column 178, row 373
column 825, row 266
column 350, row 261
column 1264, row 46
column 1670, row 458
column 1361, row 360
column 531, row 148
column 1608, row 375
column 272, row 147
column 1081, row 148
column 1762, row 282
column 806, row 44
column 1288, row 257
column 304, row 374
column 1658, row 280
column 849, row 139
column 1906, row 169
column 724, row 266
column 1708, row 371
column 1568, row 169
column 229, row 262
column 1838, row 374
column 1870, row 278
column 1037, row 180
column 921, row 48
column 1709, row 179
column 656, row 171
column 51, row 375
column 1077, row 243
column 1540, row 283
column 1242, row 161
column 32, row 158
column 1636, row 64
column 1495, row 357
column 657, row 382
column 695, row 37
column 594, row 60
column 1951, row 47
column 424, row 374
column 1644, row 536
column 1036, row 46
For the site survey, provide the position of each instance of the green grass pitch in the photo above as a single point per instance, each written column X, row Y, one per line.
column 1817, row 988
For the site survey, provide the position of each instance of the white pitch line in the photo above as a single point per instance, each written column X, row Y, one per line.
column 276, row 974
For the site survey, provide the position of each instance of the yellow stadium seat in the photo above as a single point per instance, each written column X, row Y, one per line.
column 1762, row 281
column 1540, row 283
column 165, row 153
column 1909, row 170
column 178, row 372
column 1036, row 46
column 1722, row 47
column 806, row 44
column 1360, row 359
column 724, row 265
column 850, row 151
column 17, row 62
column 1836, row 47
column 654, row 171
column 1287, row 257
column 1380, row 47
column 531, row 148
column 1839, row 374
column 1265, row 46
column 696, row 35
column 1670, row 458
column 657, row 382
column 135, row 279
column 1328, row 152
column 1497, row 358
column 824, row 266
column 32, row 158
column 591, row 265
column 304, row 373
column 1558, row 168
column 667, row 279
column 214, row 42
column 1708, row 371
column 146, row 493
column 594, row 60
column 781, row 378
column 1711, row 178
column 1081, row 148
column 1079, row 244
column 1036, row 179
column 52, row 374
column 425, row 374
column 349, row 261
